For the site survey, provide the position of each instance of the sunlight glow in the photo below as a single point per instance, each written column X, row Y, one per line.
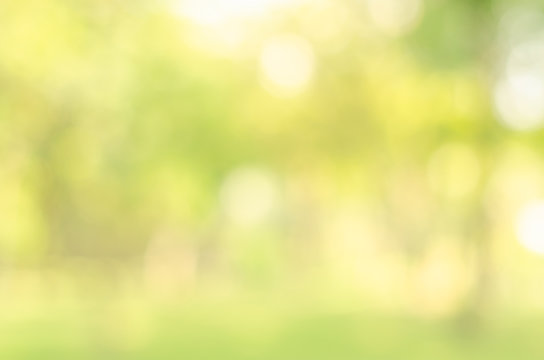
column 287, row 65
column 395, row 17
column 519, row 99
column 519, row 89
column 215, row 12
column 530, row 227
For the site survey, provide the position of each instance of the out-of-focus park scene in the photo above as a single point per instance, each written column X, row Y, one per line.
column 271, row 179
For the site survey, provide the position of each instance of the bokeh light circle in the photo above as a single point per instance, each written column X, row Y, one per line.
column 287, row 65
column 530, row 227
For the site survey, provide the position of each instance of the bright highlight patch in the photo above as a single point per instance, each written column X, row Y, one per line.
column 214, row 12
column 287, row 65
column 530, row 227
column 519, row 92
column 519, row 99
column 395, row 17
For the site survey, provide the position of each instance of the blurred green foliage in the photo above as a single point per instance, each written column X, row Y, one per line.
column 382, row 153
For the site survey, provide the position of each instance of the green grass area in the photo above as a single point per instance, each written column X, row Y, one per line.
column 232, row 333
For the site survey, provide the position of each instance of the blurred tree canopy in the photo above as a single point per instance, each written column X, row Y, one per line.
column 368, row 127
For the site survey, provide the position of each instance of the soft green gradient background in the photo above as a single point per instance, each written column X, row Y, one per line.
column 168, row 191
